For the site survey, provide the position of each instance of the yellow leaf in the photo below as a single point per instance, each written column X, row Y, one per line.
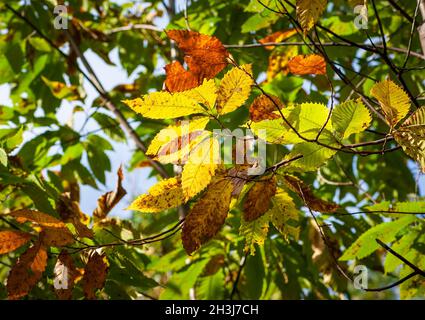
column 12, row 240
column 234, row 89
column 200, row 167
column 183, row 129
column 164, row 195
column 278, row 61
column 207, row 215
column 350, row 117
column 255, row 232
column 165, row 105
column 205, row 93
column 393, row 100
column 309, row 12
column 283, row 212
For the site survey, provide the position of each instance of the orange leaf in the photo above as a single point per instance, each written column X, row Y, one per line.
column 278, row 61
column 205, row 56
column 263, row 108
column 310, row 64
column 178, row 79
column 12, row 240
column 25, row 274
column 95, row 274
column 65, row 276
column 258, row 199
column 37, row 217
column 278, row 36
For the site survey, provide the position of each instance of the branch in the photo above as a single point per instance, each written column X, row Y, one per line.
column 139, row 26
column 92, row 78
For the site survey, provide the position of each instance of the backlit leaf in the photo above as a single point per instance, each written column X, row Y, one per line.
column 307, row 64
column 258, row 199
column 350, row 117
column 12, row 240
column 309, row 12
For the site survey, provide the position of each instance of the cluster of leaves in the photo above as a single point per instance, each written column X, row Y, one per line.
column 330, row 189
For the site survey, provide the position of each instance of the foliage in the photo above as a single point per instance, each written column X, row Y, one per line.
column 340, row 110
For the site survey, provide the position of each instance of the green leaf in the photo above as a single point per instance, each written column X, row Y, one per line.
column 211, row 287
column 350, row 117
column 366, row 243
column 402, row 247
column 255, row 232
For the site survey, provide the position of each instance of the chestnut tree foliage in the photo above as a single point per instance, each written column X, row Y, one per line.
column 337, row 103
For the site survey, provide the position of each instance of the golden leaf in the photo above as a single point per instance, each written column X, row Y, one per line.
column 277, row 36
column 309, row 12
column 207, row 215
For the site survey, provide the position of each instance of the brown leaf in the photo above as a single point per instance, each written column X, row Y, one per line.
column 65, row 275
column 56, row 237
column 258, row 199
column 304, row 191
column 263, row 108
column 307, row 64
column 12, row 240
column 207, row 215
column 205, row 56
column 278, row 36
column 178, row 79
column 95, row 274
column 28, row 270
column 107, row 201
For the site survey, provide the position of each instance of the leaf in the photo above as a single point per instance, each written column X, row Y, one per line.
column 402, row 247
column 173, row 144
column 309, row 12
column 61, row 90
column 255, row 232
column 108, row 200
column 207, row 215
column 12, row 240
column 411, row 137
column 264, row 108
column 394, row 101
column 95, row 274
column 258, row 199
column 277, row 36
column 37, row 217
column 306, row 118
column 27, row 271
column 3, row 157
column 56, row 237
column 65, row 276
column 178, row 79
column 234, row 89
column 366, row 243
column 306, row 194
column 165, row 105
column 205, row 55
column 204, row 94
column 211, row 287
column 307, row 64
column 350, row 117
column 164, row 195
column 278, row 61
column 200, row 167
column 284, row 214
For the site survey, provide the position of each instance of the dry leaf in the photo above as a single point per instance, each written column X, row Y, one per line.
column 12, row 240
column 56, row 237
column 178, row 79
column 307, row 64
column 207, row 215
column 258, row 199
column 304, row 191
column 107, row 201
column 37, row 217
column 263, row 108
column 95, row 274
column 27, row 271
column 65, row 275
